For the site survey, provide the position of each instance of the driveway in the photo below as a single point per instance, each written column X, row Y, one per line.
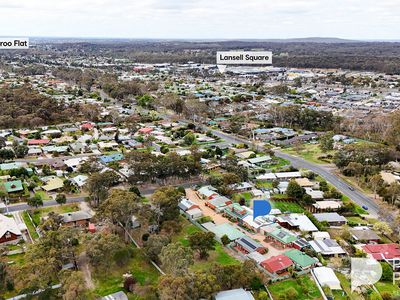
column 219, row 219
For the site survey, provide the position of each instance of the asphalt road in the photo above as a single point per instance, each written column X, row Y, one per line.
column 355, row 195
column 145, row 192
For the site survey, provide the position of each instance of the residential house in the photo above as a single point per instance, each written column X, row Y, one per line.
column 235, row 294
column 186, row 204
column 260, row 160
column 278, row 264
column 9, row 230
column 224, row 229
column 326, row 277
column 235, row 211
column 194, row 213
column 247, row 245
column 218, row 203
column 327, row 247
column 79, row 180
column 332, row 218
column 300, row 259
column 241, row 187
column 207, row 192
column 383, row 252
column 296, row 221
column 53, row 183
column 77, row 218
column 105, row 159
column 364, row 234
column 13, row 186
column 279, row 235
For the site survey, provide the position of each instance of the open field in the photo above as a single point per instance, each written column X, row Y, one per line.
column 310, row 152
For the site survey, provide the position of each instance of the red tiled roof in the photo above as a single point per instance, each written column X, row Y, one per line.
column 276, row 263
column 145, row 130
column 87, row 125
column 383, row 251
column 38, row 142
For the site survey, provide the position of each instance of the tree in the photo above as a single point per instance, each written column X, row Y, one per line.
column 387, row 272
column 176, row 259
column 383, row 228
column 119, row 207
column 99, row 185
column 202, row 242
column 225, row 240
column 275, row 184
column 166, row 200
column 45, row 258
column 21, row 151
column 73, row 286
column 189, row 138
column 35, row 201
column 61, row 199
column 375, row 182
column 295, row 191
column 393, row 192
column 326, row 141
column 101, row 248
column 154, row 245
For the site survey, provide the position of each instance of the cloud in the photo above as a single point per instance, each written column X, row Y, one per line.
column 357, row 19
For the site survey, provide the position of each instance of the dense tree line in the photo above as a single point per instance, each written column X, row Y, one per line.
column 25, row 107
column 303, row 118
column 149, row 167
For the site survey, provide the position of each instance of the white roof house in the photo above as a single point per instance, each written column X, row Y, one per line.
column 327, row 277
column 8, row 225
column 327, row 204
column 79, row 180
column 321, row 235
column 298, row 220
column 234, row 295
column 327, row 247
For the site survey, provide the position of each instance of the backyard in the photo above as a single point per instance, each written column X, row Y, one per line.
column 302, row 288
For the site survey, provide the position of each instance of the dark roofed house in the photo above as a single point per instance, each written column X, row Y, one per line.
column 333, row 219
column 247, row 245
column 77, row 218
column 365, row 234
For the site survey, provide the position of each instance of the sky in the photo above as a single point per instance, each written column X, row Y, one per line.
column 202, row 19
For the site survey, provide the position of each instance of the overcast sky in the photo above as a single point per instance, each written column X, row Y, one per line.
column 354, row 19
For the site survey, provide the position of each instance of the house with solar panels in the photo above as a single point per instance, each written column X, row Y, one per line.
column 278, row 235
column 247, row 245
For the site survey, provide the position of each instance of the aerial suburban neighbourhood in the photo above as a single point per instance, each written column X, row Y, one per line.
column 146, row 169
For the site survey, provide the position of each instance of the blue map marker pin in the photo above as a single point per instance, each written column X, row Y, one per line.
column 261, row 208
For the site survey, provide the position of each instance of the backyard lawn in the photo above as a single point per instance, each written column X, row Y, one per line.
column 111, row 281
column 394, row 290
column 287, row 206
column 219, row 255
column 302, row 288
column 60, row 209
column 29, row 225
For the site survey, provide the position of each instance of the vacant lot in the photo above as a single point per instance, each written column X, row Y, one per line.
column 302, row 288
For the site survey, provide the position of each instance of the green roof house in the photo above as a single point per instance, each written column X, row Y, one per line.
column 13, row 186
column 301, row 259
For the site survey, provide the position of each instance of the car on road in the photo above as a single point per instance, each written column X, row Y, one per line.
column 364, row 207
column 351, row 188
